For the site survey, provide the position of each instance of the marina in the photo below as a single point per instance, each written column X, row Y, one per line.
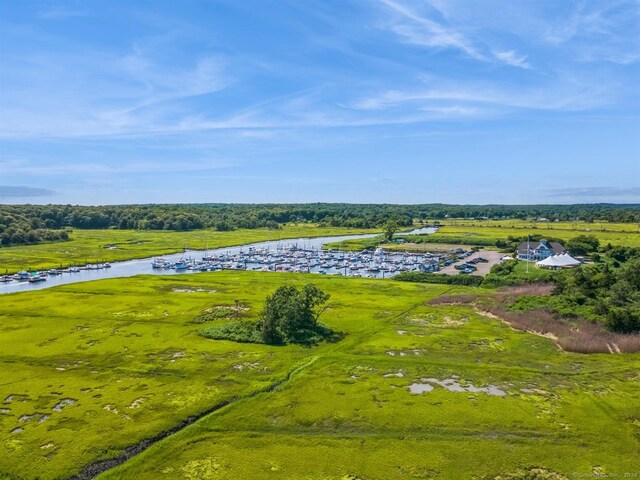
column 292, row 258
column 299, row 255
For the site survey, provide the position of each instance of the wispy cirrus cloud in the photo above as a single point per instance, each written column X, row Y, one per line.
column 104, row 92
column 510, row 57
column 567, row 96
column 421, row 30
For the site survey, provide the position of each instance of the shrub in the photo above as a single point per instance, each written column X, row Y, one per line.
column 242, row 332
column 424, row 277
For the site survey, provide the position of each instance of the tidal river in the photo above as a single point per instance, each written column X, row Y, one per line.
column 130, row 268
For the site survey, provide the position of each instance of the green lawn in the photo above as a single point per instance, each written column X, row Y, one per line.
column 127, row 354
column 91, row 245
column 624, row 234
column 530, row 224
column 487, row 233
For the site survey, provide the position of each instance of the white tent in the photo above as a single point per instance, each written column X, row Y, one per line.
column 558, row 261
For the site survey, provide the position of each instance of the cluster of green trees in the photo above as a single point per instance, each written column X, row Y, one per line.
column 583, row 245
column 290, row 315
column 17, row 228
column 609, row 288
column 26, row 223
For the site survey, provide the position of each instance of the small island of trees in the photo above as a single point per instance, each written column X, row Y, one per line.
column 289, row 316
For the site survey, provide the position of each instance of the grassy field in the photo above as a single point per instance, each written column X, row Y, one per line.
column 530, row 224
column 91, row 368
column 91, row 245
column 470, row 232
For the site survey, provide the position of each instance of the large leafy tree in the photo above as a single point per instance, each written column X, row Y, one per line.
column 291, row 315
column 390, row 228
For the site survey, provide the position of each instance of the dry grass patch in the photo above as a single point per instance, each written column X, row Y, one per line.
column 573, row 335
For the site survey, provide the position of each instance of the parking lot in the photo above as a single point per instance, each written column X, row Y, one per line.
column 492, row 257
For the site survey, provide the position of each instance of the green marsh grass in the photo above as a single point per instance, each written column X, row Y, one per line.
column 128, row 353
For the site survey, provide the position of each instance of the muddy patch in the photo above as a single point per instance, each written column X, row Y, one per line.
column 420, row 388
column 39, row 417
column 63, row 403
column 137, row 402
column 241, row 367
column 16, row 397
column 404, row 353
column 112, row 409
column 133, row 314
column 437, row 321
column 193, row 290
column 176, row 356
column 453, row 385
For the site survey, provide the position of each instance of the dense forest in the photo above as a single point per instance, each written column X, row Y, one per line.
column 25, row 224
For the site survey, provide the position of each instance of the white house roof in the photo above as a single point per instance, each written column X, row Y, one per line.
column 526, row 247
column 563, row 260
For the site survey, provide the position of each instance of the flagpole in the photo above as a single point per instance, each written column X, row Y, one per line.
column 528, row 253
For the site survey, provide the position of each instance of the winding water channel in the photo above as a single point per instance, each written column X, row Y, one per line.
column 141, row 266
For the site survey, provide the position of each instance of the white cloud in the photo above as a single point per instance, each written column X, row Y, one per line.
column 481, row 97
column 510, row 57
column 421, row 30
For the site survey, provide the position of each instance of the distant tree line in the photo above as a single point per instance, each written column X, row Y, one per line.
column 24, row 224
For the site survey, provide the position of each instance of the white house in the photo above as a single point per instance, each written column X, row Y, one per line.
column 538, row 250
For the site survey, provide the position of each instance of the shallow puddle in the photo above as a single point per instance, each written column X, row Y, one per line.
column 418, row 388
column 453, row 385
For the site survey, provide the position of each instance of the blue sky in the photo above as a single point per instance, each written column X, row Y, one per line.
column 394, row 101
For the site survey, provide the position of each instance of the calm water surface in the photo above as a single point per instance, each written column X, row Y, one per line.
column 130, row 268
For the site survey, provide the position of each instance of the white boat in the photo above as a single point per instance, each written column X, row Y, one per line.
column 22, row 276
